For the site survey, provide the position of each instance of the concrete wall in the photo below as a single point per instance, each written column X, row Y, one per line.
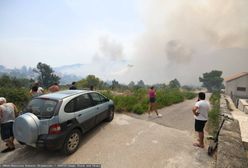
column 231, row 88
column 246, row 109
column 243, row 105
column 231, row 152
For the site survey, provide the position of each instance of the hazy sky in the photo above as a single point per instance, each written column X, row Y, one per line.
column 152, row 40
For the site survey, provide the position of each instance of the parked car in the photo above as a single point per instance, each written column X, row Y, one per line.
column 57, row 120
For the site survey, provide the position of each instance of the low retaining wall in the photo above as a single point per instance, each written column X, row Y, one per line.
column 243, row 121
column 246, row 109
column 243, row 105
column 230, row 152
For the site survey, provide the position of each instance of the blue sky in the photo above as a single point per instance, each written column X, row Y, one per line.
column 67, row 18
column 127, row 40
column 37, row 30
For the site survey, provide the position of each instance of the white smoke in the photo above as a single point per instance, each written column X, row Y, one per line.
column 185, row 38
column 110, row 48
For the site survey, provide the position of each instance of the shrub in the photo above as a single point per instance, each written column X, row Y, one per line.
column 18, row 96
column 189, row 95
column 168, row 97
column 213, row 115
column 138, row 109
column 107, row 93
column 124, row 103
column 137, row 101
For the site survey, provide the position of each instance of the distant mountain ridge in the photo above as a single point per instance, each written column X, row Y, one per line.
column 74, row 69
column 65, row 72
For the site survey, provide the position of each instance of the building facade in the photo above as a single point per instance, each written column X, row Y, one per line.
column 236, row 86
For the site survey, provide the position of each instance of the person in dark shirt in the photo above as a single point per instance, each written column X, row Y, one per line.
column 73, row 86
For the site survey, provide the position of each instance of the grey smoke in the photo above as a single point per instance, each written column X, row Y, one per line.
column 178, row 53
column 185, row 38
column 110, row 48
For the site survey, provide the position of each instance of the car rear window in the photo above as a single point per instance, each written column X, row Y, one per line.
column 42, row 108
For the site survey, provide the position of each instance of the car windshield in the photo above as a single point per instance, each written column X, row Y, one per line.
column 42, row 108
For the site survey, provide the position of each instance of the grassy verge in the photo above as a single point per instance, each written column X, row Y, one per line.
column 213, row 115
column 137, row 100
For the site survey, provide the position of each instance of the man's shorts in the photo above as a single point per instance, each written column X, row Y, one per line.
column 199, row 125
column 152, row 99
column 7, row 130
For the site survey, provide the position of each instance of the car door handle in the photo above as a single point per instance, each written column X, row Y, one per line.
column 97, row 108
column 79, row 115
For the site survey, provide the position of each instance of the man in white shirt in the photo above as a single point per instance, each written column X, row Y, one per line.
column 37, row 89
column 7, row 118
column 200, row 111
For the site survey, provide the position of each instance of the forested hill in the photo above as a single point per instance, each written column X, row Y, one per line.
column 27, row 72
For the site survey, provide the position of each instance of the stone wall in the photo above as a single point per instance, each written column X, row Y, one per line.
column 231, row 152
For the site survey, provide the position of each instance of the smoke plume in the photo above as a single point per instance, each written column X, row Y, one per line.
column 110, row 48
column 185, row 38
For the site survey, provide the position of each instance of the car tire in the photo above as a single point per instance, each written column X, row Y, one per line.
column 111, row 115
column 72, row 142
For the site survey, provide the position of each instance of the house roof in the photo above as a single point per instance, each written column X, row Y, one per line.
column 230, row 78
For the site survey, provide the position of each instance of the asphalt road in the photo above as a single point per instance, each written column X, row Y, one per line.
column 129, row 142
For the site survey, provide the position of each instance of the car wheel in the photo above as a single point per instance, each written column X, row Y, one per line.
column 72, row 142
column 111, row 115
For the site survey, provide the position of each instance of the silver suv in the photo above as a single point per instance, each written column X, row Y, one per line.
column 57, row 120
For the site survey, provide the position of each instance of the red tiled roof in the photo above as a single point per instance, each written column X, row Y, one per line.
column 227, row 79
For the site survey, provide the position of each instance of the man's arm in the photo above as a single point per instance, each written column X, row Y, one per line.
column 194, row 110
column 15, row 110
column 1, row 114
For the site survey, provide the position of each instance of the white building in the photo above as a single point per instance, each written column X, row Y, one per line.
column 237, row 86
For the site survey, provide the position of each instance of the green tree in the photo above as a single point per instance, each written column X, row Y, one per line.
column 82, row 84
column 90, row 80
column 212, row 80
column 141, row 84
column 115, row 84
column 5, row 81
column 174, row 84
column 46, row 75
column 131, row 85
column 10, row 82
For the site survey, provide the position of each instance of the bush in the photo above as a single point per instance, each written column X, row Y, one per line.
column 213, row 115
column 107, row 93
column 124, row 103
column 18, row 96
column 167, row 97
column 138, row 109
column 189, row 95
column 137, row 102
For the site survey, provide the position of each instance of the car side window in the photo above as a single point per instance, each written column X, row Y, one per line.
column 83, row 102
column 79, row 103
column 96, row 98
column 70, row 107
column 103, row 99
